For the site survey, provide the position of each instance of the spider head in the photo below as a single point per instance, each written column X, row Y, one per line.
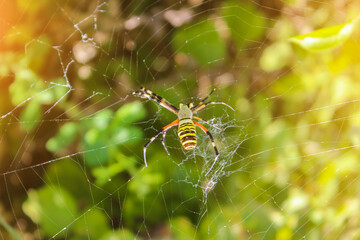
column 185, row 111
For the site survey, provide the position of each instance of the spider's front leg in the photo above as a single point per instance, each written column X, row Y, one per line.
column 145, row 93
column 202, row 103
column 196, row 109
column 200, row 119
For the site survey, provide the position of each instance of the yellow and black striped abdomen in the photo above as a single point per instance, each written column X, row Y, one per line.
column 187, row 133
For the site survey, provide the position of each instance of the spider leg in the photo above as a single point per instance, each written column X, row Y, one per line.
column 208, row 103
column 200, row 119
column 212, row 142
column 202, row 101
column 163, row 143
column 144, row 93
column 163, row 131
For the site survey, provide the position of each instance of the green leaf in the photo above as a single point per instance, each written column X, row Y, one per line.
column 325, row 38
column 36, row 53
column 182, row 228
column 64, row 173
column 245, row 22
column 63, row 138
column 104, row 174
column 54, row 91
column 144, row 183
column 52, row 207
column 96, row 148
column 26, row 85
column 128, row 134
column 31, row 115
column 58, row 89
column 130, row 113
column 201, row 41
column 120, row 234
column 102, row 119
column 94, row 223
column 276, row 56
column 107, row 131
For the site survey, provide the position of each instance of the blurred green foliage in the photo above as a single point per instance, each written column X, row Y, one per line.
column 49, row 206
column 244, row 20
column 197, row 39
column 297, row 98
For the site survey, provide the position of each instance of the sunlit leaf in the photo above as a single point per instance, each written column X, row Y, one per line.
column 284, row 233
column 296, row 201
column 325, row 38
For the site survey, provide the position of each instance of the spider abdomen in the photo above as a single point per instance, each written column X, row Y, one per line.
column 187, row 133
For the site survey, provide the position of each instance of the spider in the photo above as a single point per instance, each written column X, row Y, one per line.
column 186, row 130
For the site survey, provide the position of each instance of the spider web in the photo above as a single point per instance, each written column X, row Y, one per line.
column 72, row 141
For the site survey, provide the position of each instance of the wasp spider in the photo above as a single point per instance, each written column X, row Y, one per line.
column 186, row 130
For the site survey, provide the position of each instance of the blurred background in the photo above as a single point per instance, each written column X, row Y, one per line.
column 71, row 142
